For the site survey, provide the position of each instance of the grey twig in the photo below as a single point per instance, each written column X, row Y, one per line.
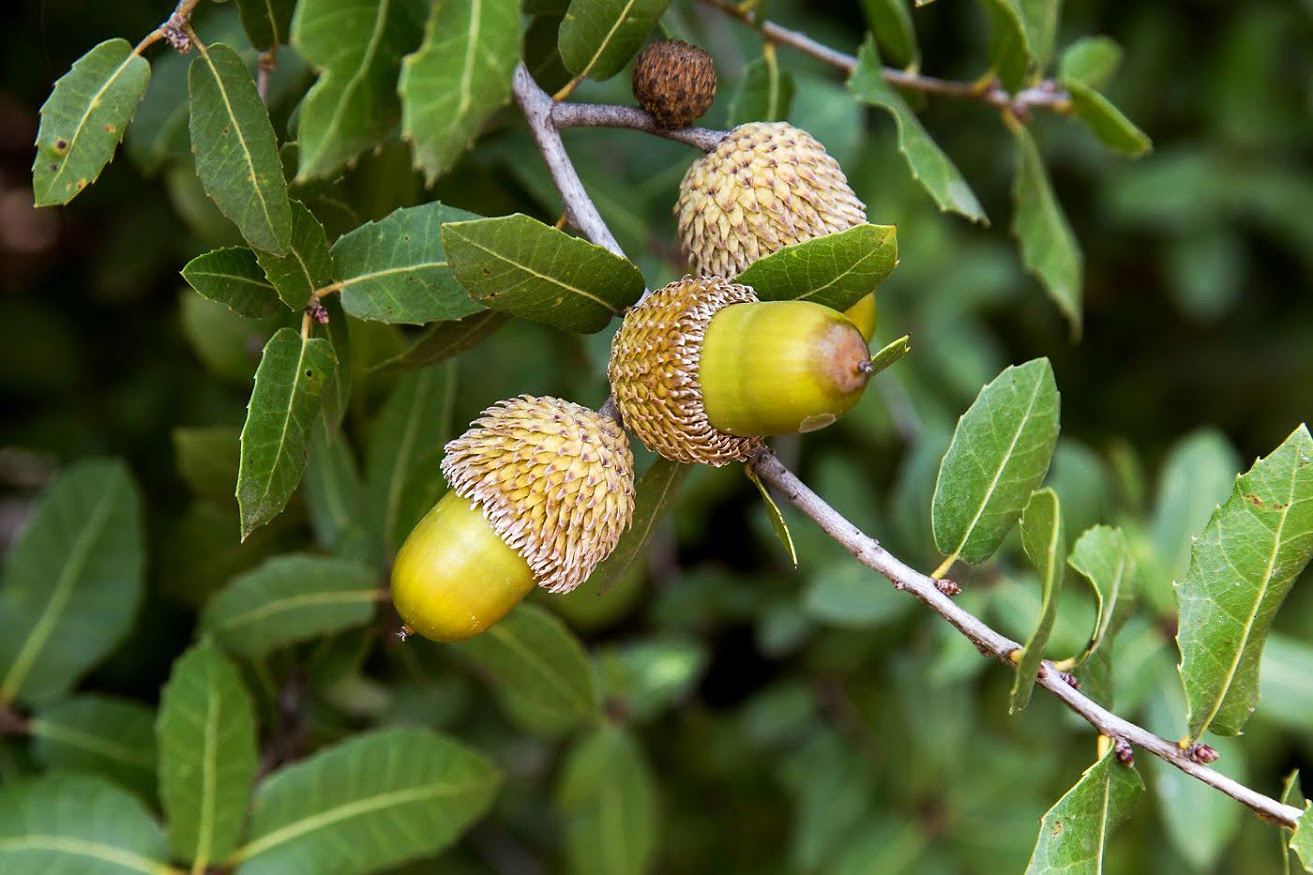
column 1047, row 94
column 603, row 115
column 539, row 110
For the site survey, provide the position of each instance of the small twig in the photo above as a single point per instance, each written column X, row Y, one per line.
column 599, row 115
column 987, row 640
column 176, row 29
column 1046, row 95
column 268, row 63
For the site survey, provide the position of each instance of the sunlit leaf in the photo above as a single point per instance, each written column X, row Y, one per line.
column 72, row 581
column 1045, row 543
column 70, row 824
column 607, row 795
column 1073, row 834
column 371, row 802
column 598, row 37
column 357, row 47
column 286, row 398
column 929, row 165
column 395, row 269
column 1091, row 60
column 88, row 733
column 836, row 270
column 518, row 265
column 208, row 756
column 459, row 76
column 233, row 277
column 84, row 118
column 289, row 599
column 541, row 674
column 236, row 151
column 1241, row 568
column 1048, row 247
column 1113, row 129
column 999, row 454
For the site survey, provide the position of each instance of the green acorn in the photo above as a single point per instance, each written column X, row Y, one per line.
column 702, row 370
column 541, row 490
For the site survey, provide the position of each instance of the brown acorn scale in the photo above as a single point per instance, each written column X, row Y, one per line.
column 674, row 82
column 655, row 358
column 765, row 185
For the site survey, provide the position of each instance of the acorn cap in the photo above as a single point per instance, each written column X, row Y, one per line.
column 765, row 185
column 655, row 359
column 555, row 480
column 675, row 82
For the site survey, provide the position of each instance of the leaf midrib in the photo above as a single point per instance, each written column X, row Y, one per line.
column 291, row 603
column 542, row 276
column 85, row 848
column 606, row 41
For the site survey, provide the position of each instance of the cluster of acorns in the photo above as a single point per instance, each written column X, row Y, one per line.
column 700, row 370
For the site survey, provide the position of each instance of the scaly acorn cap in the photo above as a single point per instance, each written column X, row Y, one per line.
column 555, row 479
column 765, row 185
column 655, row 358
column 675, row 82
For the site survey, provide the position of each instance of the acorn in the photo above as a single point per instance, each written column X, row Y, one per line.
column 764, row 186
column 540, row 491
column 675, row 82
column 701, row 370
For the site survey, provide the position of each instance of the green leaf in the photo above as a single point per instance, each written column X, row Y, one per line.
column 1300, row 839
column 1045, row 544
column 233, row 277
column 402, row 477
column 1241, row 568
column 891, row 22
column 84, row 118
column 890, row 353
column 207, row 459
column 1074, row 832
column 1113, row 129
column 457, row 79
column 307, row 267
column 443, row 340
column 849, row 595
column 394, row 270
column 357, row 46
column 518, row 265
column 288, row 394
column 289, row 599
column 542, row 677
column 208, row 755
column 836, row 270
column 69, row 824
column 777, row 522
column 1040, row 18
column 607, row 795
column 648, row 677
column 267, row 22
column 334, row 496
column 763, row 94
column 1290, row 795
column 999, row 453
column 1048, row 247
column 1283, row 682
column 655, row 492
column 929, row 165
column 598, row 37
column 72, row 581
column 1103, row 558
column 236, row 151
column 1009, row 43
column 366, row 804
column 89, row 733
column 1090, row 60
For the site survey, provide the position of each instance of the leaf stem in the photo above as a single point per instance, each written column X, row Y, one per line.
column 1046, row 94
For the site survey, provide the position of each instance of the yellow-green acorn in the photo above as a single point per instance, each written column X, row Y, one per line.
column 675, row 82
column 540, row 491
column 701, row 370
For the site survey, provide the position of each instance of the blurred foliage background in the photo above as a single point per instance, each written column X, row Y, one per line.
column 810, row 721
